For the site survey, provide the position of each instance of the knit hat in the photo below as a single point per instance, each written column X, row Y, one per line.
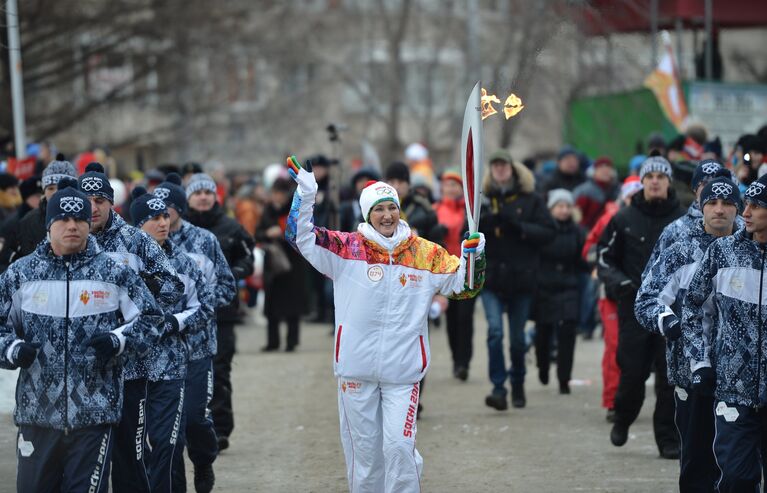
column 603, row 161
column 566, row 151
column 94, row 182
column 172, row 192
column 68, row 201
column 452, row 174
column 636, row 162
column 145, row 206
column 757, row 192
column 29, row 187
column 720, row 188
column 374, row 193
column 7, row 180
column 655, row 164
column 398, row 171
column 200, row 181
column 560, row 195
column 631, row 185
column 704, row 172
column 500, row 155
column 56, row 170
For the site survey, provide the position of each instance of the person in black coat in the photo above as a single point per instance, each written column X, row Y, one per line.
column 284, row 269
column 557, row 302
column 516, row 225
column 31, row 226
column 624, row 249
column 237, row 245
column 568, row 174
column 10, row 233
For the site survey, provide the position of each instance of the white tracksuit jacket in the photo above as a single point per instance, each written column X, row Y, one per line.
column 383, row 289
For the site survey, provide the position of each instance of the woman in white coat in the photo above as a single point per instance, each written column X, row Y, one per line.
column 384, row 277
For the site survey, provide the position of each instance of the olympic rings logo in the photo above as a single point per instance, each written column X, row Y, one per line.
column 71, row 204
column 161, row 193
column 385, row 190
column 710, row 168
column 724, row 189
column 155, row 204
column 91, row 184
column 754, row 189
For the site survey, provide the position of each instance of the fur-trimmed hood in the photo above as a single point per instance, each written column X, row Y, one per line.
column 521, row 175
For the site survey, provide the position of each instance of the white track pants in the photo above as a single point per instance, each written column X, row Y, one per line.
column 378, row 427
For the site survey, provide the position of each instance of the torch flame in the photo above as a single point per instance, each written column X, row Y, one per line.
column 512, row 106
column 487, row 104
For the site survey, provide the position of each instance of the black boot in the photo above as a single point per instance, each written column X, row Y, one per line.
column 619, row 435
column 518, row 395
column 497, row 401
column 204, row 479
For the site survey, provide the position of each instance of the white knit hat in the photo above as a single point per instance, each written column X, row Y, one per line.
column 560, row 195
column 375, row 192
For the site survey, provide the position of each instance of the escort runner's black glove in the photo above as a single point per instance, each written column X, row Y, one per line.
column 672, row 327
column 173, row 322
column 105, row 345
column 24, row 354
column 704, row 381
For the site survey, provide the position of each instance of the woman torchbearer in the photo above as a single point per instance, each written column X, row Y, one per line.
column 384, row 278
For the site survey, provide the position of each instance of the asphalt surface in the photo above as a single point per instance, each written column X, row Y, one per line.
column 286, row 437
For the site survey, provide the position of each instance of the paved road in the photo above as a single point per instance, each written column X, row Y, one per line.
column 286, row 437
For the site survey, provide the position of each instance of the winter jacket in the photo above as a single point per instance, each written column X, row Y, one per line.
column 32, row 231
column 419, row 214
column 452, row 215
column 558, row 298
column 193, row 312
column 9, row 237
column 202, row 246
column 561, row 180
column 382, row 294
column 284, row 291
column 662, row 294
column 61, row 303
column 516, row 225
column 591, row 197
column 626, row 244
column 589, row 252
column 725, row 319
column 678, row 229
column 134, row 248
column 237, row 246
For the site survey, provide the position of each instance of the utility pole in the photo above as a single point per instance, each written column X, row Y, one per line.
column 17, row 88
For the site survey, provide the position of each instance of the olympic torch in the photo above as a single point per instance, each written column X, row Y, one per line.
column 471, row 165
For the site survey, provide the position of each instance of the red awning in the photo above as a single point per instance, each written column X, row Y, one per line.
column 600, row 17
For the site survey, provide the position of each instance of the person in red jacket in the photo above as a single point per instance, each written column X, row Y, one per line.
column 608, row 309
column 451, row 214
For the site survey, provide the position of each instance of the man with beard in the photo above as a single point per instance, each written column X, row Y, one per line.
column 624, row 249
column 237, row 245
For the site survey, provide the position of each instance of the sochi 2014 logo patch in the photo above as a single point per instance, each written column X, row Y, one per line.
column 375, row 273
column 84, row 297
column 403, row 280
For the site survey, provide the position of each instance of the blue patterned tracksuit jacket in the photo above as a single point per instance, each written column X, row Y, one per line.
column 134, row 248
column 60, row 303
column 202, row 246
column 724, row 318
column 193, row 312
column 663, row 291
